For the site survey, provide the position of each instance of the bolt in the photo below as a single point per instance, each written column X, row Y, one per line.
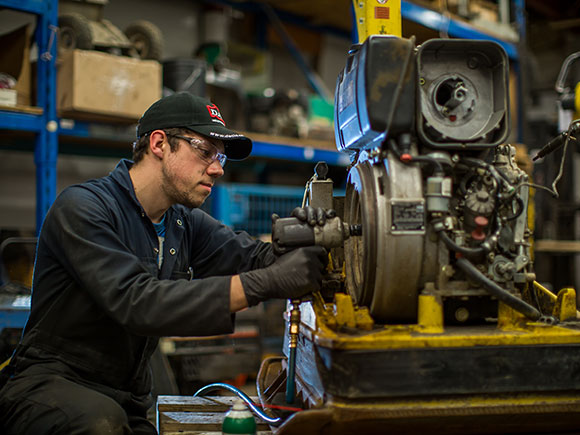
column 462, row 314
column 448, row 271
column 473, row 62
column 51, row 126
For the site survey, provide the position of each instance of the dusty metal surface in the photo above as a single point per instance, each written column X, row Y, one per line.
column 485, row 415
column 514, row 376
column 524, row 413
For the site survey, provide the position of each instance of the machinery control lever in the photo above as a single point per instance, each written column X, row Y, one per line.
column 291, row 233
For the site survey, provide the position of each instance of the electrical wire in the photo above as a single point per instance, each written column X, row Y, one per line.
column 307, row 189
column 561, row 171
column 554, row 191
column 253, row 407
column 399, row 88
column 536, row 299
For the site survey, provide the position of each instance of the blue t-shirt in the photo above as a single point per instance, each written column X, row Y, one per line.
column 160, row 230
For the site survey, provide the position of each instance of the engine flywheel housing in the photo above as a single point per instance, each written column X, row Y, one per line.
column 383, row 266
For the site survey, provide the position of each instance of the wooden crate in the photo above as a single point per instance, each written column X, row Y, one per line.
column 196, row 415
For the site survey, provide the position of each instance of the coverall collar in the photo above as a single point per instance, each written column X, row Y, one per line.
column 121, row 176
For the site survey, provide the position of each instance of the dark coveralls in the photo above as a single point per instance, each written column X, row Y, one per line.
column 100, row 303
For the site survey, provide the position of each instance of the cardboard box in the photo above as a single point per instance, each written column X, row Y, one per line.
column 15, row 61
column 100, row 86
column 8, row 97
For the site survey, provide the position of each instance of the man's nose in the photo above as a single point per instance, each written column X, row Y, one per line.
column 215, row 169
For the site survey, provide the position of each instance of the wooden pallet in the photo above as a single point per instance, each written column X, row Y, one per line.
column 196, row 415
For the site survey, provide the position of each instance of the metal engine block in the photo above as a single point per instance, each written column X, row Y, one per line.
column 441, row 200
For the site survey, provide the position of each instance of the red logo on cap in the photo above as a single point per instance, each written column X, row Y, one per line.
column 215, row 114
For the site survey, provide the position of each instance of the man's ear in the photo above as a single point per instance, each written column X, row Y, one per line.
column 157, row 140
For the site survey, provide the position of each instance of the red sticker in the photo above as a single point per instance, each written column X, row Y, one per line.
column 382, row 13
column 214, row 112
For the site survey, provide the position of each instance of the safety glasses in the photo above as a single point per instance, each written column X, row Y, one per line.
column 207, row 151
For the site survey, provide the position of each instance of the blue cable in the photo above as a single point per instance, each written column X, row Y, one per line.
column 221, row 386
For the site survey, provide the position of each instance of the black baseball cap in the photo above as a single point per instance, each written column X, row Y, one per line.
column 185, row 110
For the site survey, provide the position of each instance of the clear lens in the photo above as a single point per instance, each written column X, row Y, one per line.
column 208, row 155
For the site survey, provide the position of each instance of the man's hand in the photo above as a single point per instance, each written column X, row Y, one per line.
column 313, row 216
column 292, row 276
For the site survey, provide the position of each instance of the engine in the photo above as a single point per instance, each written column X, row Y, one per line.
column 437, row 191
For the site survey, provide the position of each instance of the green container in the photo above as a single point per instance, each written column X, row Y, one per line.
column 239, row 420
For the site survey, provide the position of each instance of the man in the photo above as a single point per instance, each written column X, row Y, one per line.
column 128, row 258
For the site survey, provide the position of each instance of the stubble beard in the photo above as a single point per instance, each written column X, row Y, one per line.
column 187, row 198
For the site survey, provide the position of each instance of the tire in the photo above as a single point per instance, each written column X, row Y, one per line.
column 146, row 39
column 74, row 32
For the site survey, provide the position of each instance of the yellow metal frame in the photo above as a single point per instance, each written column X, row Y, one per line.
column 505, row 404
column 322, row 321
column 377, row 17
column 577, row 101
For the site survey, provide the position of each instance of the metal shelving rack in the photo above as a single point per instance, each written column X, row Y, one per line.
column 459, row 29
column 44, row 124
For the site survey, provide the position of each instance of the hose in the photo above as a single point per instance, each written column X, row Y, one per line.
column 415, row 159
column 468, row 252
column 498, row 175
column 430, row 160
column 521, row 208
column 495, row 290
column 291, row 374
column 253, row 407
column 293, row 329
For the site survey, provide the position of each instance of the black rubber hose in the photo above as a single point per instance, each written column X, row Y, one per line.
column 495, row 290
column 290, row 379
column 521, row 207
column 416, row 159
column 468, row 252
column 491, row 169
column 429, row 160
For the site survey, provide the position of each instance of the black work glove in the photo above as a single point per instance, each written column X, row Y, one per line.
column 313, row 216
column 293, row 275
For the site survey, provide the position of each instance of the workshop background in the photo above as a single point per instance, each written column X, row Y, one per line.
column 69, row 114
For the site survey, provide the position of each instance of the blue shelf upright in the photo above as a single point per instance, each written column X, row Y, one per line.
column 45, row 124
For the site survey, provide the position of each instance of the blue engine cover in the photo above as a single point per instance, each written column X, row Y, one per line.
column 375, row 94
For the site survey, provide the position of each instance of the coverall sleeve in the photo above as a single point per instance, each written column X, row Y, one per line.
column 219, row 250
column 80, row 232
